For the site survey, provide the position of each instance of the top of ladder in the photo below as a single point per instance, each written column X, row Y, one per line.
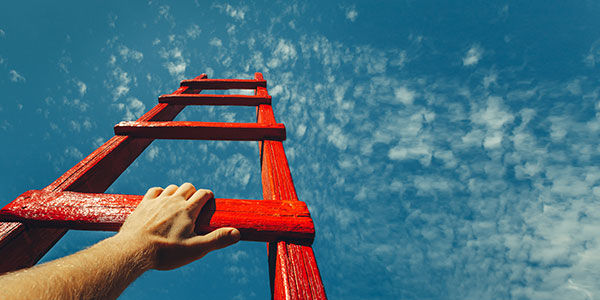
column 224, row 84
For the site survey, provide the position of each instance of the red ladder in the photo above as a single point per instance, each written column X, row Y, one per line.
column 32, row 223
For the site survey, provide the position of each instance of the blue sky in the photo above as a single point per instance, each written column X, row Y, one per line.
column 445, row 150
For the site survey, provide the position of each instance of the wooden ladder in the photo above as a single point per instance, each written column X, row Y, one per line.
column 32, row 223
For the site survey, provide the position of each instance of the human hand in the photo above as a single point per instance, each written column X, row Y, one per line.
column 162, row 227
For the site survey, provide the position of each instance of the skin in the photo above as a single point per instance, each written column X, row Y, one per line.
column 157, row 235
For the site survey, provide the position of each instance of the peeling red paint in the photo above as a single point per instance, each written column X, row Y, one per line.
column 257, row 220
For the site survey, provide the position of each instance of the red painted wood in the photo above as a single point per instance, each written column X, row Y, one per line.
column 22, row 246
column 293, row 269
column 285, row 282
column 257, row 220
column 224, row 84
column 314, row 276
column 206, row 99
column 202, row 130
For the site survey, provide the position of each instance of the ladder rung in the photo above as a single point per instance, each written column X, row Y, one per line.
column 202, row 130
column 224, row 84
column 206, row 99
column 257, row 220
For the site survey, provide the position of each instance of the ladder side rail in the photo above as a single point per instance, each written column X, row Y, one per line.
column 23, row 245
column 293, row 268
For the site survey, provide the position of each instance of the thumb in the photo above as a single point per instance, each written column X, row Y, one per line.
column 217, row 239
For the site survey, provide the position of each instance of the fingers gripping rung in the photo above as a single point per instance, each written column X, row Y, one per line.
column 257, row 220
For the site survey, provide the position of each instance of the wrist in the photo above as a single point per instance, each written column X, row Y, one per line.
column 139, row 253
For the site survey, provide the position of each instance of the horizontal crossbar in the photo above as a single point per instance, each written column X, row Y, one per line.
column 207, row 99
column 224, row 84
column 202, row 130
column 257, row 220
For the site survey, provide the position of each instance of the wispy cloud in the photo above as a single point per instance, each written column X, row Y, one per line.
column 238, row 13
column 193, row 31
column 132, row 109
column 404, row 95
column 284, row 52
column 122, row 81
column 15, row 76
column 593, row 55
column 82, row 87
column 351, row 13
column 127, row 54
column 215, row 42
column 175, row 62
column 472, row 56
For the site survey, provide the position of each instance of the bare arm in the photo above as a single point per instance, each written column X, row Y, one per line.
column 157, row 235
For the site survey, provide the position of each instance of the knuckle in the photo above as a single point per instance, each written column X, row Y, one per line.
column 207, row 192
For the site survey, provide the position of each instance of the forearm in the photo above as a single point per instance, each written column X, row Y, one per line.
column 159, row 234
column 102, row 271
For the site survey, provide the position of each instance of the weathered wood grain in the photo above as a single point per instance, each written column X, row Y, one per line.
column 202, row 130
column 209, row 99
column 224, row 84
column 293, row 268
column 257, row 220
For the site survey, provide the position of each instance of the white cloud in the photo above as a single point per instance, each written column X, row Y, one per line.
column 419, row 151
column 216, row 42
column 574, row 87
column 82, row 87
column 175, row 64
column 472, row 56
column 284, row 52
column 123, row 80
column 152, row 153
column 351, row 14
column 404, row 95
column 73, row 152
column 15, row 76
column 127, row 54
column 375, row 62
column 494, row 115
column 593, row 55
column 336, row 136
column 132, row 109
column 193, row 31
column 489, row 79
column 231, row 29
column 163, row 12
column 112, row 20
column 236, row 13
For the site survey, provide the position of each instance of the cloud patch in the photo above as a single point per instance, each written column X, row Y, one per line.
column 175, row 62
column 472, row 56
column 351, row 14
column 15, row 76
